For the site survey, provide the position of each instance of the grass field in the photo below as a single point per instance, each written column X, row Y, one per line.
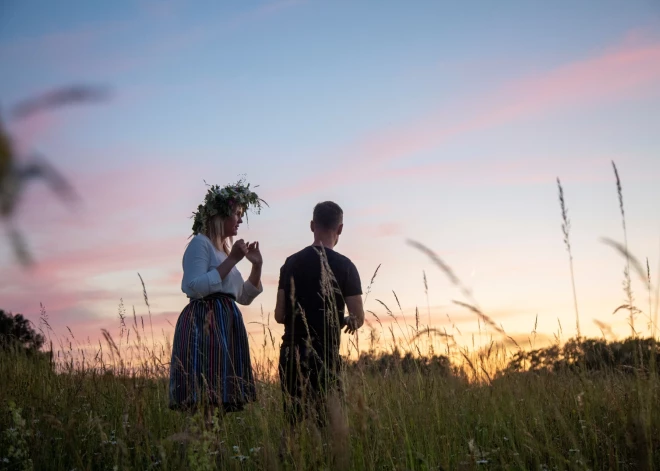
column 395, row 415
column 586, row 404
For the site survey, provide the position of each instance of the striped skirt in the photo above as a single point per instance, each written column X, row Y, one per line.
column 211, row 356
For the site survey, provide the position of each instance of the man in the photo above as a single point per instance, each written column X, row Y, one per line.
column 315, row 285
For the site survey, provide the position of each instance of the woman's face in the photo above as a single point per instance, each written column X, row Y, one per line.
column 231, row 223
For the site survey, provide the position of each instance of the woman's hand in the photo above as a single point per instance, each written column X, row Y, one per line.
column 238, row 250
column 253, row 254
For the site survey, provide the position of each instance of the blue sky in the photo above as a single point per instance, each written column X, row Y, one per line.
column 444, row 123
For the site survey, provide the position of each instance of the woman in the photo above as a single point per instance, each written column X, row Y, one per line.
column 210, row 364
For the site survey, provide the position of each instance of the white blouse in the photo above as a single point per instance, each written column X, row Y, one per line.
column 200, row 277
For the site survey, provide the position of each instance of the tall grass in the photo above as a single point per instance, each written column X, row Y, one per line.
column 489, row 407
column 566, row 230
column 101, row 416
column 627, row 282
column 657, row 300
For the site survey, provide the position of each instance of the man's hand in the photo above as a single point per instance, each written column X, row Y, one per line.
column 351, row 324
column 355, row 319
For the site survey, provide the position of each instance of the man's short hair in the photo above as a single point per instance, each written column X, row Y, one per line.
column 328, row 215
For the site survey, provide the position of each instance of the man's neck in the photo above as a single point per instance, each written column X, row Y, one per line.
column 325, row 241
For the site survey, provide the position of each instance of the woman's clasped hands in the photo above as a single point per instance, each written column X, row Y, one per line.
column 249, row 250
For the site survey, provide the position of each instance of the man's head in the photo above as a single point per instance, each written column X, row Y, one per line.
column 327, row 223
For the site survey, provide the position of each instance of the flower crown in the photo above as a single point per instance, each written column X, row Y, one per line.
column 222, row 201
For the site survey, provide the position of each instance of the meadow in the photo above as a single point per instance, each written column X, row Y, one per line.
column 419, row 403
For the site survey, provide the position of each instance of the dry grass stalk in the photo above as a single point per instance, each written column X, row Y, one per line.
column 446, row 269
column 481, row 316
column 146, row 301
column 630, row 258
column 426, row 292
column 566, row 229
column 434, row 331
column 604, row 328
column 368, row 290
column 649, row 291
column 627, row 283
column 657, row 300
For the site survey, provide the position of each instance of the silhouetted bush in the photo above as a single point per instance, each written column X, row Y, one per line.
column 17, row 336
column 629, row 355
column 16, row 330
column 383, row 363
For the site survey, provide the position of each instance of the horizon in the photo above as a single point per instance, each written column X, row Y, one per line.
column 470, row 114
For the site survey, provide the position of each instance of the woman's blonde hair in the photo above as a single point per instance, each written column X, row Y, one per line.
column 215, row 231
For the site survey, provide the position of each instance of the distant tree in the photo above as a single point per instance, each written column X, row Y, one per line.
column 385, row 362
column 629, row 355
column 17, row 331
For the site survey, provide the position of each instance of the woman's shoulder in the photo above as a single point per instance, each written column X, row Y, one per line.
column 200, row 239
column 202, row 242
column 198, row 242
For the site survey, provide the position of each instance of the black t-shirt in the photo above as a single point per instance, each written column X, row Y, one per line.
column 317, row 280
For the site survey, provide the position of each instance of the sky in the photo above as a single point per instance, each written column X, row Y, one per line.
column 445, row 123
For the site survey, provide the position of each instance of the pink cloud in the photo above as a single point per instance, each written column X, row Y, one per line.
column 112, row 197
column 64, row 282
column 136, row 256
column 628, row 71
column 618, row 74
column 54, row 298
column 111, row 233
column 172, row 278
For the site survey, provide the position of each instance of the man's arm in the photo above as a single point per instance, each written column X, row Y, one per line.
column 283, row 286
column 279, row 306
column 353, row 297
column 355, row 313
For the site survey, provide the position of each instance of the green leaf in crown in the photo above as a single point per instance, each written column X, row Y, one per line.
column 222, row 201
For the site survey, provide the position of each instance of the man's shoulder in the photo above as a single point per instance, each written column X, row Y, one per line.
column 311, row 251
column 297, row 256
column 343, row 259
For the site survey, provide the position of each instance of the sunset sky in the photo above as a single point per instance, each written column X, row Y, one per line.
column 442, row 122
